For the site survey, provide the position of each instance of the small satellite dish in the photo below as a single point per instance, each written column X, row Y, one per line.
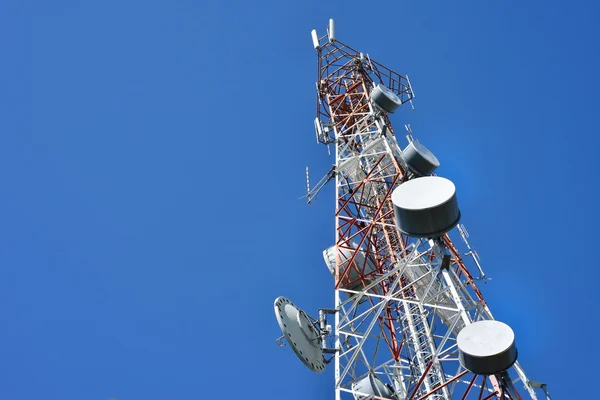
column 426, row 206
column 384, row 99
column 371, row 386
column 487, row 347
column 419, row 159
column 300, row 333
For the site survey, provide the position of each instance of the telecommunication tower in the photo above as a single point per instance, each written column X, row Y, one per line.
column 409, row 321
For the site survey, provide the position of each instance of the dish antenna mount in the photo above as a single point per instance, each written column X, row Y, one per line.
column 305, row 335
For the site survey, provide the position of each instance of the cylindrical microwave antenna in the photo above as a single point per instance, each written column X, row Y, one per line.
column 426, row 207
column 487, row 347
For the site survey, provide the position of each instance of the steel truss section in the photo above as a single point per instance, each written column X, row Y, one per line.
column 402, row 322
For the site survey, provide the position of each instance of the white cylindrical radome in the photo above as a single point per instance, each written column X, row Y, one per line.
column 426, row 206
column 487, row 347
column 385, row 99
column 371, row 386
column 419, row 159
column 352, row 281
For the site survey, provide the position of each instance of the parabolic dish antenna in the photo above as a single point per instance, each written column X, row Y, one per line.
column 300, row 333
column 352, row 280
column 426, row 206
column 487, row 347
column 419, row 159
column 385, row 99
column 371, row 386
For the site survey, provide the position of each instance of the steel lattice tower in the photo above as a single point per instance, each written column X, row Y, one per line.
column 400, row 301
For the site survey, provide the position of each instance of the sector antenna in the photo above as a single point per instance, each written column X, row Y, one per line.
column 408, row 320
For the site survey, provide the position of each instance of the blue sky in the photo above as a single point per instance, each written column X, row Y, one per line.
column 153, row 153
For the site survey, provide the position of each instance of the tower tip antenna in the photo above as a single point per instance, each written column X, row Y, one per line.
column 331, row 30
column 315, row 39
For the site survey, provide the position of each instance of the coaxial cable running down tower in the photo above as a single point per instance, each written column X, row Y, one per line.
column 409, row 321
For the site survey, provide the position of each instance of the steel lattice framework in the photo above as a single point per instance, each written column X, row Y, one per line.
column 401, row 325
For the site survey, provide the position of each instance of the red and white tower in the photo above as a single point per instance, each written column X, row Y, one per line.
column 409, row 321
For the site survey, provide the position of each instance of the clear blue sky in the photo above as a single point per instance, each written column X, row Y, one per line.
column 152, row 154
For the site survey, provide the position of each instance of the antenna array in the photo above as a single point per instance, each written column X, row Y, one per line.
column 409, row 321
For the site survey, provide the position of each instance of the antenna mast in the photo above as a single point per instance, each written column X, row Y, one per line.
column 409, row 321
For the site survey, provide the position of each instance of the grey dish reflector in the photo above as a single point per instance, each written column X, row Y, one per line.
column 419, row 159
column 426, row 206
column 300, row 333
column 384, row 99
column 487, row 347
column 371, row 386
